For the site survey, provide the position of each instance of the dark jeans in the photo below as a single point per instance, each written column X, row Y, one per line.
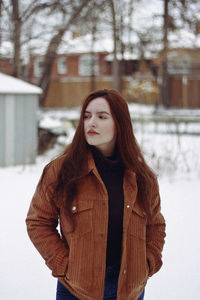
column 110, row 287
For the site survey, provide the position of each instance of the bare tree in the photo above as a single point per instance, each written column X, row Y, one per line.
column 122, row 34
column 92, row 22
column 16, row 36
column 54, row 44
column 18, row 14
column 1, row 2
column 115, row 32
column 92, row 65
column 119, row 22
column 24, row 24
column 165, row 90
column 188, row 12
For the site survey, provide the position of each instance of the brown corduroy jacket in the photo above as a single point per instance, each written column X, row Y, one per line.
column 78, row 258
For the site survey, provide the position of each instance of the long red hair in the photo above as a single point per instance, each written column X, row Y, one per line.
column 75, row 161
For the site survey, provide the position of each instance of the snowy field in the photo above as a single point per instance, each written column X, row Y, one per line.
column 23, row 274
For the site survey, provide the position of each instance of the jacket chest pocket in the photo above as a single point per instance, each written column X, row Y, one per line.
column 82, row 216
column 138, row 223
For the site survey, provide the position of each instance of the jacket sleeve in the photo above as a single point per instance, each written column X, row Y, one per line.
column 42, row 221
column 155, row 235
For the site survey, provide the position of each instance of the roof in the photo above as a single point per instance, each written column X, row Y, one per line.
column 131, row 56
column 83, row 44
column 12, row 85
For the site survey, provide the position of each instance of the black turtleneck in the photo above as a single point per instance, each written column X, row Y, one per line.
column 111, row 170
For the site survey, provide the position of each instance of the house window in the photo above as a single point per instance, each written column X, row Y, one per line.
column 62, row 65
column 38, row 66
column 88, row 62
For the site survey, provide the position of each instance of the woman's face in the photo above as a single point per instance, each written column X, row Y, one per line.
column 99, row 126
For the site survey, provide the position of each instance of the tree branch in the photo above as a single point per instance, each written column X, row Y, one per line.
column 52, row 50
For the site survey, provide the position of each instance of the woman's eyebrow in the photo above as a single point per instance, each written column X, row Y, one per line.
column 98, row 112
column 103, row 112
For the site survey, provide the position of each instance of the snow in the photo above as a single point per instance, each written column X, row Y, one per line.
column 12, row 85
column 23, row 273
column 6, row 49
column 185, row 39
column 126, row 55
column 182, row 121
column 179, row 277
column 83, row 44
column 71, row 114
column 52, row 124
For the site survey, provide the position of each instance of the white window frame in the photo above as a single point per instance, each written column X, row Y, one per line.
column 84, row 65
column 37, row 66
column 62, row 65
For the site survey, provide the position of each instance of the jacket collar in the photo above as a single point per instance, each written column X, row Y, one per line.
column 129, row 174
column 130, row 184
column 91, row 163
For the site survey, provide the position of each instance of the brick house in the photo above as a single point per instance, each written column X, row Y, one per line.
column 5, row 65
column 72, row 77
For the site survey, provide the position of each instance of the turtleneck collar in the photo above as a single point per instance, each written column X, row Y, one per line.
column 102, row 162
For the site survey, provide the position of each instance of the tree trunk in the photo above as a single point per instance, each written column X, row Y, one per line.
column 48, row 63
column 92, row 77
column 1, row 2
column 122, row 49
column 16, row 38
column 165, row 81
column 52, row 51
column 115, row 65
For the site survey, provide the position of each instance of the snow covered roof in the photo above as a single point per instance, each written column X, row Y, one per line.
column 131, row 56
column 83, row 44
column 12, row 85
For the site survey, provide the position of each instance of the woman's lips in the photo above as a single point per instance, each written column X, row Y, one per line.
column 92, row 132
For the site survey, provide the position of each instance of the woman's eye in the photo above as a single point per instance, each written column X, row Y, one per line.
column 86, row 116
column 102, row 117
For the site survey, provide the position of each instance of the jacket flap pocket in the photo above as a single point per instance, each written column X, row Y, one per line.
column 138, row 210
column 138, row 223
column 82, row 205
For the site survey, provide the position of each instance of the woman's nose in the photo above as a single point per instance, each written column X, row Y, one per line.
column 92, row 122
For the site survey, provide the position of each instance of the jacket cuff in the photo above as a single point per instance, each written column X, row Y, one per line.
column 154, row 262
column 60, row 266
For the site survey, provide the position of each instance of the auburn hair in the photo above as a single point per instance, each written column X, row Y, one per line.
column 75, row 161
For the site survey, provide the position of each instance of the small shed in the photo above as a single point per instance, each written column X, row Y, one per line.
column 18, row 121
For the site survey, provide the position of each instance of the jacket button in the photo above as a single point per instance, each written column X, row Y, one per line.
column 128, row 206
column 73, row 208
column 124, row 271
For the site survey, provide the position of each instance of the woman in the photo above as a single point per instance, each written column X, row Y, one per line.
column 107, row 201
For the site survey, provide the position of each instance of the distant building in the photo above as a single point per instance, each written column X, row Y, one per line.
column 5, row 65
column 71, row 77
column 183, row 70
column 75, row 74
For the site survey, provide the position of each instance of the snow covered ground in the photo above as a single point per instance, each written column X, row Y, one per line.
column 23, row 274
